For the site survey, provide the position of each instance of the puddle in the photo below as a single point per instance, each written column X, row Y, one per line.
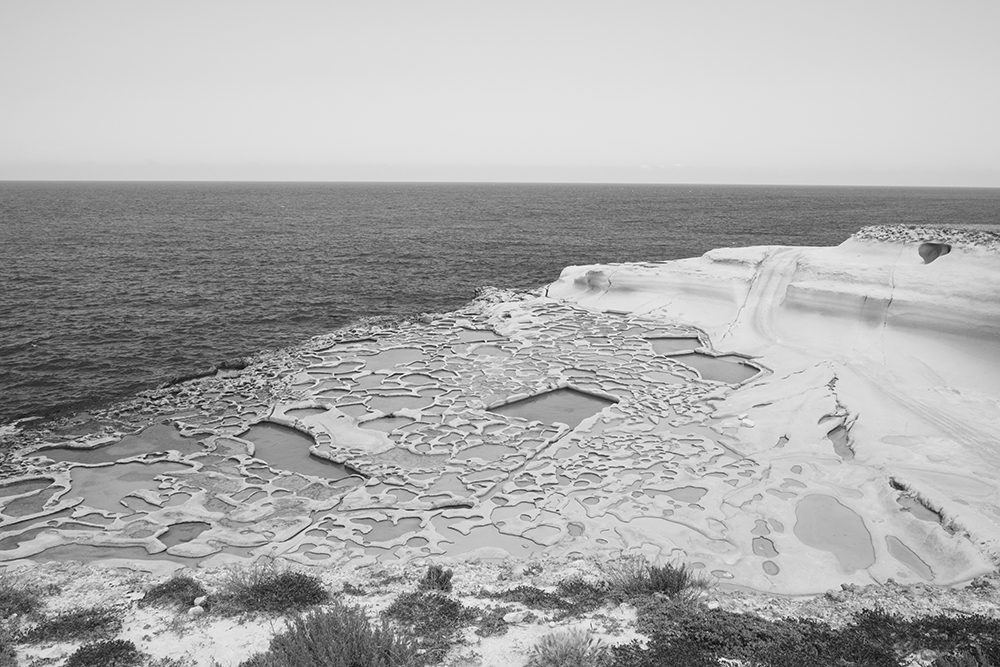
column 671, row 345
column 385, row 530
column 912, row 506
column 88, row 553
column 764, row 547
column 28, row 505
column 390, row 358
column 24, row 486
column 487, row 536
column 386, row 424
column 491, row 351
column 729, row 369
column 285, row 448
column 908, row 557
column 300, row 413
column 477, row 336
column 103, row 488
column 389, row 404
column 822, row 522
column 838, row 437
column 485, row 452
column 770, row 567
column 407, row 459
column 567, row 406
column 179, row 533
column 687, row 494
column 156, row 438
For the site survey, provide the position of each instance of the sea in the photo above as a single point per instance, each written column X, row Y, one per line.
column 107, row 289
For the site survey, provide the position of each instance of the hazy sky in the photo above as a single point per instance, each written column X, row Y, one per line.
column 675, row 91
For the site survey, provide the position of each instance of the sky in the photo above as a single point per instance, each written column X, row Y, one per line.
column 835, row 92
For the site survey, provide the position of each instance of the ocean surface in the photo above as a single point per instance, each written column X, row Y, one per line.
column 110, row 288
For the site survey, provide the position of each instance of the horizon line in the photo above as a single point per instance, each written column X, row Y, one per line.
column 494, row 182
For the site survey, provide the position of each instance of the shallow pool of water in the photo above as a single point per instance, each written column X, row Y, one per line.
column 285, row 448
column 387, row 359
column 156, row 438
column 729, row 369
column 673, row 345
column 104, row 487
column 566, row 406
column 908, row 557
column 822, row 522
column 179, row 533
column 24, row 486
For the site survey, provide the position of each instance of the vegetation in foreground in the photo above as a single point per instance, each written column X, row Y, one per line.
column 268, row 588
column 570, row 648
column 687, row 634
column 338, row 636
column 16, row 598
column 420, row 627
column 109, row 653
column 88, row 623
column 179, row 590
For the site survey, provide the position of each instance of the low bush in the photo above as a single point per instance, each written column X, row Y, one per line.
column 491, row 621
column 436, row 579
column 7, row 656
column 79, row 624
column 16, row 598
column 269, row 589
column 572, row 648
column 572, row 597
column 110, row 653
column 339, row 636
column 634, row 577
column 180, row 590
column 432, row 618
column 687, row 634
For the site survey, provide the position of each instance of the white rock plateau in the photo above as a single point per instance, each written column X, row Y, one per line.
column 908, row 349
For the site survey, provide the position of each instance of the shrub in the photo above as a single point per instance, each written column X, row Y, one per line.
column 266, row 588
column 634, row 577
column 432, row 618
column 573, row 597
column 7, row 656
column 351, row 589
column 491, row 621
column 111, row 653
column 79, row 624
column 687, row 634
column 16, row 598
column 339, row 636
column 436, row 579
column 179, row 590
column 572, row 648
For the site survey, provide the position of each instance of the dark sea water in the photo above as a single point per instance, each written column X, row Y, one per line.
column 109, row 288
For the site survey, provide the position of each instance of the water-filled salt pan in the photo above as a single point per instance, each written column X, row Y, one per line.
column 565, row 406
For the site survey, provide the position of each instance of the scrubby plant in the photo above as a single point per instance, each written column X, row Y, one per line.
column 179, row 590
column 351, row 589
column 634, row 577
column 572, row 597
column 436, row 579
column 269, row 589
column 338, row 636
column 7, row 656
column 109, row 653
column 78, row 624
column 15, row 597
column 571, row 648
column 688, row 634
column 491, row 621
column 432, row 618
